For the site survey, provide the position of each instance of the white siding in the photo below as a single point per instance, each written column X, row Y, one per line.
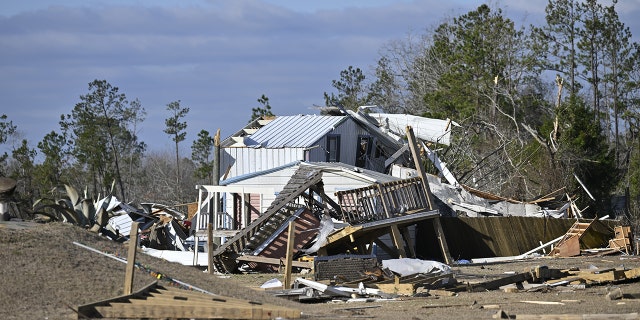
column 249, row 160
column 275, row 180
column 245, row 160
column 333, row 182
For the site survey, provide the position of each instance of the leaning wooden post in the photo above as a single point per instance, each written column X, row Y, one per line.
column 131, row 259
column 215, row 177
column 289, row 258
column 417, row 160
column 210, row 266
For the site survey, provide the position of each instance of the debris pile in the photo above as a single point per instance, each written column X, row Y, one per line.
column 397, row 281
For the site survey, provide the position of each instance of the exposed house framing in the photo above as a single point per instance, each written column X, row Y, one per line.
column 299, row 193
column 370, row 212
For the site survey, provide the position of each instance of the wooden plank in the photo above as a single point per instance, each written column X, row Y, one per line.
column 131, row 259
column 163, row 303
column 442, row 241
column 345, row 232
column 568, row 247
column 172, row 300
column 494, row 284
column 182, row 301
column 427, row 192
column 289, row 257
column 88, row 310
column 192, row 296
column 415, row 153
column 610, row 276
column 397, row 240
column 403, row 289
column 418, row 279
column 210, row 266
column 170, row 291
column 632, row 273
column 127, row 310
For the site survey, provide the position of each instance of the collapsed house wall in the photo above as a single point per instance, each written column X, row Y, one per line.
column 502, row 236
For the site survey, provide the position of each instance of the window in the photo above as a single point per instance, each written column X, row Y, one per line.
column 333, row 148
column 363, row 150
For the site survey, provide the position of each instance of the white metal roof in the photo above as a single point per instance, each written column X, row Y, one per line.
column 299, row 131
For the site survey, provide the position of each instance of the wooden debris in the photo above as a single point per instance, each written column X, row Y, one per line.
column 409, row 285
column 131, row 259
column 402, row 289
column 622, row 240
column 537, row 274
column 442, row 293
column 158, row 302
column 569, row 245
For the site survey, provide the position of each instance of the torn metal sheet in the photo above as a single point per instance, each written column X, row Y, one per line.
column 323, row 288
column 432, row 130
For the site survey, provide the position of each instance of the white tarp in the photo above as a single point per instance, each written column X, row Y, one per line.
column 181, row 257
column 407, row 266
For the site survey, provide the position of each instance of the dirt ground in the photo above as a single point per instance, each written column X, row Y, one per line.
column 44, row 275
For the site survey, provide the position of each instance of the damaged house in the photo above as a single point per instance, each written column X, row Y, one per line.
column 267, row 144
column 347, row 184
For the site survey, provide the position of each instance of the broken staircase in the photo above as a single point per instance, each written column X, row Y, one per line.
column 569, row 245
column 282, row 208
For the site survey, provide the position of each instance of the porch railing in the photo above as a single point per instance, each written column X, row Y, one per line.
column 383, row 201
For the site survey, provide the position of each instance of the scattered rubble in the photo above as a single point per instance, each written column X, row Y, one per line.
column 359, row 243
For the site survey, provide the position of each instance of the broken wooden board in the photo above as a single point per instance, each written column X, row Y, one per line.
column 157, row 302
column 596, row 277
column 536, row 274
column 569, row 245
column 402, row 289
column 608, row 276
column 569, row 248
column 409, row 285
column 496, row 283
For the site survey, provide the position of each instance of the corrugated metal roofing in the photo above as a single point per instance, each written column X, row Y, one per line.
column 299, row 131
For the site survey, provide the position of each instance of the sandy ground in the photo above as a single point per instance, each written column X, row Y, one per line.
column 44, row 275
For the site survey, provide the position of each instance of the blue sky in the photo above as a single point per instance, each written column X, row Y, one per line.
column 217, row 57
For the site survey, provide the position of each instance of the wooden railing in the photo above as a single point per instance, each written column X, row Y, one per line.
column 383, row 201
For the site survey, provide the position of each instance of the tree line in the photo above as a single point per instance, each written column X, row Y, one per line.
column 537, row 110
column 541, row 108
